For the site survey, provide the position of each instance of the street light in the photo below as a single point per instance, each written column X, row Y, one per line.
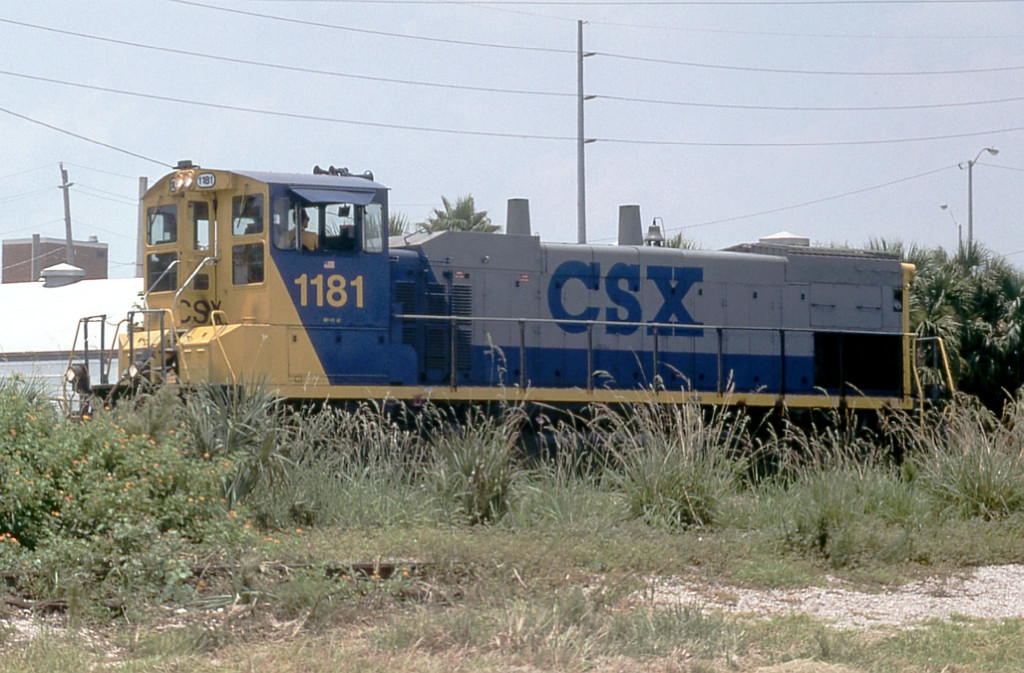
column 959, row 232
column 970, row 192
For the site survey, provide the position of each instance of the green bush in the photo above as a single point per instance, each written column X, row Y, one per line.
column 95, row 495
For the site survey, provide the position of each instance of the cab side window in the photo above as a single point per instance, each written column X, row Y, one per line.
column 247, row 264
column 295, row 226
column 247, row 215
column 341, row 221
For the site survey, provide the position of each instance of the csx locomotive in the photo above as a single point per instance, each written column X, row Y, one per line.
column 292, row 280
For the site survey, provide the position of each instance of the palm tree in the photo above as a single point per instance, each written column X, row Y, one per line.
column 678, row 241
column 974, row 300
column 463, row 216
column 398, row 224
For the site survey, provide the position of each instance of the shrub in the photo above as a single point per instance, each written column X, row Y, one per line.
column 96, row 495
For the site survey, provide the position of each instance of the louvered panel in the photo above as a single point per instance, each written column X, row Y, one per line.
column 462, row 300
column 437, row 346
column 437, row 299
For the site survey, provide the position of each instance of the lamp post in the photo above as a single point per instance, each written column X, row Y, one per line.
column 959, row 232
column 970, row 192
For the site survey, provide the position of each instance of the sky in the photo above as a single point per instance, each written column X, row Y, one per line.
column 841, row 121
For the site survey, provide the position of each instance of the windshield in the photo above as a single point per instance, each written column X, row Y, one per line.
column 335, row 226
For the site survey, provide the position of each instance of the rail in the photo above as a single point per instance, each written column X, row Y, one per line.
column 659, row 331
column 191, row 277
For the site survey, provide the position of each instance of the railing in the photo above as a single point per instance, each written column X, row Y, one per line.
column 659, row 331
column 163, row 344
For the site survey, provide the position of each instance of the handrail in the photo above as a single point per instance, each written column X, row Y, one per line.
column 191, row 277
column 145, row 297
column 657, row 329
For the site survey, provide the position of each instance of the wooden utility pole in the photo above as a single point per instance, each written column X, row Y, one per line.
column 66, row 187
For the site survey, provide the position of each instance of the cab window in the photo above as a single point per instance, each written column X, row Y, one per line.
column 247, row 214
column 200, row 224
column 247, row 264
column 161, row 272
column 292, row 218
column 342, row 227
column 340, row 223
column 373, row 231
column 162, row 224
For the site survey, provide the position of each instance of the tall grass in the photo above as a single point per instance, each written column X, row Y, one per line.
column 971, row 463
column 474, row 460
column 675, row 464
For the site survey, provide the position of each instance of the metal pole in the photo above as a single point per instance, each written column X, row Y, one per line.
column 522, row 354
column 581, row 189
column 970, row 203
column 141, row 236
column 66, row 187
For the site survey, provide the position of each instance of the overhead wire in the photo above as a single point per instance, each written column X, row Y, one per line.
column 467, row 132
column 53, row 127
column 521, row 92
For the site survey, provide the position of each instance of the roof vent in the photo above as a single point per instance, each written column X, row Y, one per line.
column 786, row 238
column 60, row 275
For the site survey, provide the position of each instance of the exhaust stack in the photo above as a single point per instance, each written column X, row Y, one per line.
column 517, row 221
column 630, row 231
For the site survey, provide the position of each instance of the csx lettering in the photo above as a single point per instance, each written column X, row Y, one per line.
column 622, row 289
column 332, row 290
column 201, row 309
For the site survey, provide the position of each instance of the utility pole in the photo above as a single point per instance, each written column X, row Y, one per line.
column 581, row 182
column 141, row 232
column 66, row 188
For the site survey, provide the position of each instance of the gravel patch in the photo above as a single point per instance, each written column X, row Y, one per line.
column 989, row 592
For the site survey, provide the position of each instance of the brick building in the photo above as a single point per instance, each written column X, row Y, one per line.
column 90, row 256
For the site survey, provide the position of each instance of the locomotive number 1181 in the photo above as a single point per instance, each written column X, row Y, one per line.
column 332, row 290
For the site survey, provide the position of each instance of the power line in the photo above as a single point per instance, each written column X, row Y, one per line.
column 812, row 36
column 793, row 71
column 28, row 170
column 274, row 113
column 829, row 143
column 642, row 59
column 465, row 132
column 667, row 3
column 381, row 33
column 814, row 202
column 81, row 137
column 278, row 66
column 811, row 108
column 804, row 204
column 556, row 94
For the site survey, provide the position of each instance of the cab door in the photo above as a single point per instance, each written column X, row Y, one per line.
column 198, row 298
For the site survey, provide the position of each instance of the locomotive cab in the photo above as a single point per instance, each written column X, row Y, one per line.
column 261, row 276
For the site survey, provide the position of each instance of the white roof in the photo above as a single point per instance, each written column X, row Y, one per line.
column 35, row 319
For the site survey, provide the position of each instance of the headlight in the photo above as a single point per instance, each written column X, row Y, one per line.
column 134, row 369
column 78, row 376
